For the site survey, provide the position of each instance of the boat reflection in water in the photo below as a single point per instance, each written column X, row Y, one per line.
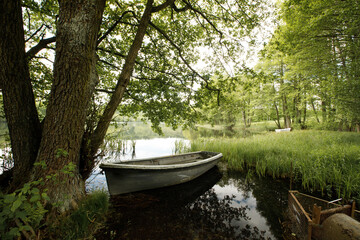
column 191, row 210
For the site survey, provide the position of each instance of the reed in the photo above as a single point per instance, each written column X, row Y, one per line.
column 321, row 160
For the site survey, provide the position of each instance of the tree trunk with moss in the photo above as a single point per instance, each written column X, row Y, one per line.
column 76, row 38
column 18, row 98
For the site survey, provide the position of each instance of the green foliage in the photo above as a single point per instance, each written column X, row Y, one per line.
column 166, row 88
column 323, row 161
column 140, row 130
column 312, row 62
column 23, row 211
column 85, row 220
column 61, row 153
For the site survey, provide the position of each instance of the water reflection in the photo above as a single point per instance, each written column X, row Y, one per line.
column 123, row 150
column 201, row 209
column 265, row 197
column 213, row 206
column 145, row 148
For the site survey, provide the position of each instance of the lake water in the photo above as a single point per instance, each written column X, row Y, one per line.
column 220, row 204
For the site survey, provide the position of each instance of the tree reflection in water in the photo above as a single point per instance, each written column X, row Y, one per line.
column 188, row 211
column 213, row 218
column 271, row 196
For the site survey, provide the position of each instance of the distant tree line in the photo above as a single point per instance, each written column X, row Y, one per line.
column 308, row 73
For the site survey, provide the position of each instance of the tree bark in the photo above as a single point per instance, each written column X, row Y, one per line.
column 76, row 37
column 287, row 121
column 323, row 110
column 19, row 104
column 244, row 118
column 314, row 109
column 277, row 121
column 303, row 124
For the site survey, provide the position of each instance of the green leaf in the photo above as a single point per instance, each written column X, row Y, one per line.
column 35, row 198
column 39, row 205
column 9, row 198
column 14, row 232
column 42, row 164
column 16, row 204
column 45, row 196
column 26, row 227
column 61, row 153
column 21, row 214
column 35, row 191
column 26, row 188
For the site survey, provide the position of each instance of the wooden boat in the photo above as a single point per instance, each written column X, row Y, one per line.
column 283, row 130
column 141, row 174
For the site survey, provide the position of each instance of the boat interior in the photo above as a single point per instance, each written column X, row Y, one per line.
column 174, row 159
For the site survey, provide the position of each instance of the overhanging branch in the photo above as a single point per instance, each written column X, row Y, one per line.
column 186, row 62
column 32, row 35
column 137, row 62
column 162, row 6
column 204, row 16
column 183, row 9
column 114, row 26
column 41, row 45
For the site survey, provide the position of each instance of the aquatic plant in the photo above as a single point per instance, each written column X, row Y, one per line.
column 180, row 146
column 321, row 160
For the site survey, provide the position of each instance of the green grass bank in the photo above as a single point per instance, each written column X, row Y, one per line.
column 323, row 161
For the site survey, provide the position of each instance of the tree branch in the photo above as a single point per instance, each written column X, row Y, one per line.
column 41, row 45
column 32, row 35
column 104, row 91
column 110, row 64
column 185, row 61
column 183, row 9
column 113, row 26
column 137, row 62
column 204, row 16
column 44, row 58
column 163, row 6
column 123, row 80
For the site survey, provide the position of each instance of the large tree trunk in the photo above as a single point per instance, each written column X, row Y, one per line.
column 19, row 104
column 77, row 30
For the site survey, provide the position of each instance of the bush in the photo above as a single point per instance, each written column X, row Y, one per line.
column 22, row 211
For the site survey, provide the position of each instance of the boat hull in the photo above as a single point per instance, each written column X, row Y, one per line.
column 131, row 178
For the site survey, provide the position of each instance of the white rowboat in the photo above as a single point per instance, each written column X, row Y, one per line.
column 141, row 174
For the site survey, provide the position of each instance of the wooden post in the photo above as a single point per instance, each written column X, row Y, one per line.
column 315, row 221
column 353, row 210
column 316, row 213
column 291, row 174
column 309, row 230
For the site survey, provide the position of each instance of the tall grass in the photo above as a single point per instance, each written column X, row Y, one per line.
column 321, row 160
column 84, row 221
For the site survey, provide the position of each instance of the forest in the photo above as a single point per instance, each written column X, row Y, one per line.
column 69, row 70
column 307, row 75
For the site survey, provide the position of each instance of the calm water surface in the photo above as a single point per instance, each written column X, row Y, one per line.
column 218, row 205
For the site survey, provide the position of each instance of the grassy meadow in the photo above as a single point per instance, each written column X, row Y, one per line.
column 323, row 161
